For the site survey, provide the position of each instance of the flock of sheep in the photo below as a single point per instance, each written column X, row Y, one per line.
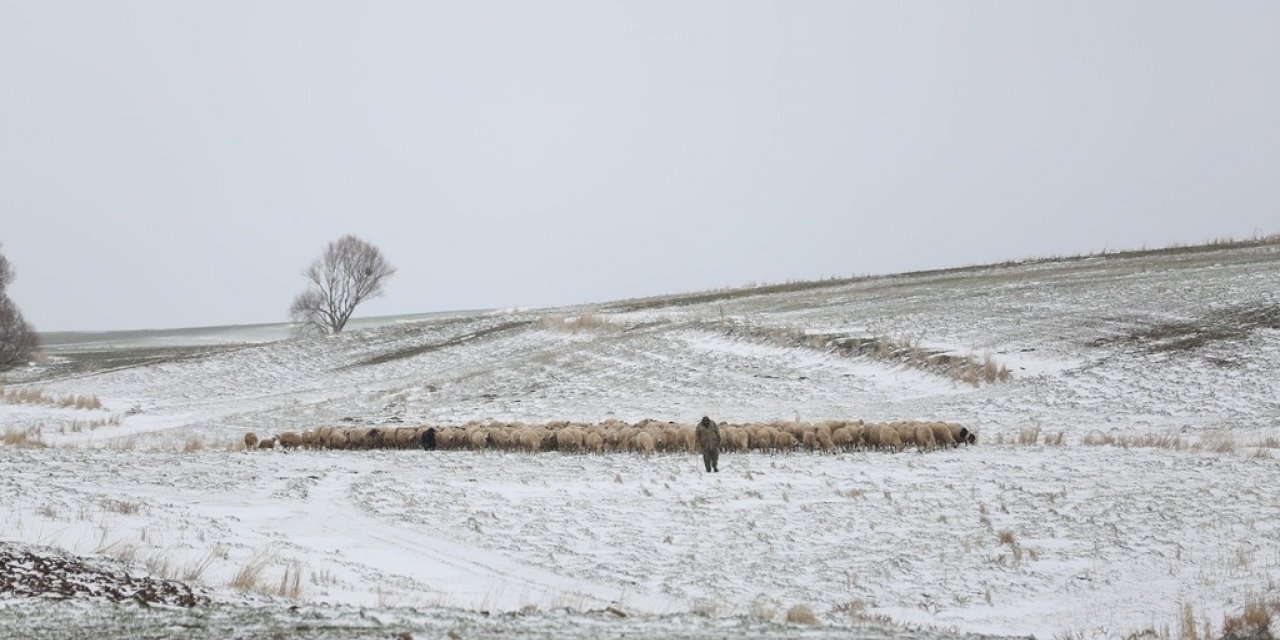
column 645, row 437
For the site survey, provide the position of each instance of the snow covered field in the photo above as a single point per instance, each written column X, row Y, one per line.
column 1005, row 538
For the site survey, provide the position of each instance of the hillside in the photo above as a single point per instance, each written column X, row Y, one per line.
column 1154, row 375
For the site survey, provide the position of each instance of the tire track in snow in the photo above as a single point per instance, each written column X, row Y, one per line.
column 463, row 575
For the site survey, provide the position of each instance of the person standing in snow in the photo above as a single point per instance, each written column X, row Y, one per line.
column 708, row 436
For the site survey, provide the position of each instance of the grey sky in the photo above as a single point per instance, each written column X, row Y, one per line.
column 178, row 163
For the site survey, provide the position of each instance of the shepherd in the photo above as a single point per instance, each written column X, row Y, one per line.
column 708, row 436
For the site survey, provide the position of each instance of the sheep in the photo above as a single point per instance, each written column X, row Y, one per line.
column 428, row 439
column 355, row 438
column 871, row 437
column 856, row 435
column 530, row 440
column 269, row 443
column 785, row 442
column 406, row 437
column 595, row 442
column 842, row 438
column 568, row 440
column 324, row 436
column 387, row 437
column 501, row 438
column 906, row 433
column 250, row 440
column 479, row 439
column 890, row 439
column 924, row 438
column 961, row 434
column 761, row 438
column 825, row 441
column 734, row 439
column 337, row 439
column 446, row 438
column 289, row 440
column 644, row 443
column 673, row 439
column 942, row 435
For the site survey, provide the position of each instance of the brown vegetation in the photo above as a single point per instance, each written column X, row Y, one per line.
column 35, row 395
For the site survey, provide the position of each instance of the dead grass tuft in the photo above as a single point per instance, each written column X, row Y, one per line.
column 1219, row 442
column 290, row 582
column 1171, row 441
column 123, row 507
column 586, row 321
column 1253, row 622
column 1029, row 436
column 35, row 395
column 764, row 609
column 801, row 614
column 1006, row 537
column 193, row 444
column 195, row 570
column 249, row 576
column 24, row 438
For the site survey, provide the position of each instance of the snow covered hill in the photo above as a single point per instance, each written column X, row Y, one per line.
column 1155, row 376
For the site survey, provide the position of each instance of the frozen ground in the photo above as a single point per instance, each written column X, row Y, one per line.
column 1098, row 541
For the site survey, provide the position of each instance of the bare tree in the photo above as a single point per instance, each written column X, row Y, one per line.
column 17, row 339
column 348, row 272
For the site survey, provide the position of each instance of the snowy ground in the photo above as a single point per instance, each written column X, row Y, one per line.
column 1099, row 541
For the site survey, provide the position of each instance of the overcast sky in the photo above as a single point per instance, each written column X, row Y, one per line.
column 170, row 164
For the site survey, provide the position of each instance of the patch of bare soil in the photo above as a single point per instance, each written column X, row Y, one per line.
column 1232, row 323
column 27, row 572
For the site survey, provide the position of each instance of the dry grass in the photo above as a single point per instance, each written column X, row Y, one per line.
column 586, row 321
column 763, row 609
column 1029, row 436
column 290, row 582
column 195, row 570
column 970, row 368
column 1252, row 622
column 249, row 576
column 1219, row 442
column 128, row 444
column 78, row 426
column 1006, row 537
column 123, row 507
column 24, row 438
column 193, row 444
column 33, row 395
column 1170, row 441
column 1222, row 441
column 801, row 614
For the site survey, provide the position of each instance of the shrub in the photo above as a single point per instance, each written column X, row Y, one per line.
column 1029, row 436
column 1253, row 622
column 800, row 614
